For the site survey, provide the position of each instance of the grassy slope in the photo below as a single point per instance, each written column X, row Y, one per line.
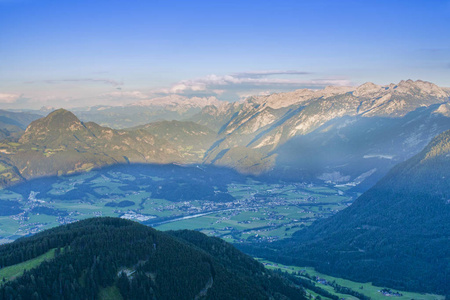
column 17, row 270
column 109, row 293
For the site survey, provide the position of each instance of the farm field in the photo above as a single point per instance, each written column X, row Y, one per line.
column 326, row 283
column 216, row 201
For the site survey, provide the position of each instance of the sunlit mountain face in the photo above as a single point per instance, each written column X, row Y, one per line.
column 224, row 150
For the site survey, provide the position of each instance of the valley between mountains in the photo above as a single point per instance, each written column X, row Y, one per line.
column 352, row 181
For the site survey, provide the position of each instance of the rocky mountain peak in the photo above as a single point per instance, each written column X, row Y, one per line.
column 61, row 116
column 55, row 123
column 367, row 89
column 335, row 90
column 420, row 87
column 58, row 119
column 443, row 109
column 301, row 96
column 405, row 87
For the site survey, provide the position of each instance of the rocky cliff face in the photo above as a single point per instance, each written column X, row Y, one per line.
column 263, row 124
column 289, row 114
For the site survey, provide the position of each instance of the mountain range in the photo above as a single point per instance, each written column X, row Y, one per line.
column 61, row 144
column 278, row 127
column 172, row 107
column 343, row 135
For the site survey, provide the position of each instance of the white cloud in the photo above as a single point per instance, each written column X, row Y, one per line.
column 218, row 92
column 81, row 80
column 244, row 95
column 8, row 98
column 250, row 82
column 269, row 73
column 87, row 91
column 126, row 95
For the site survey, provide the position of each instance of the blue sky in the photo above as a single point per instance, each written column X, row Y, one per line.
column 77, row 53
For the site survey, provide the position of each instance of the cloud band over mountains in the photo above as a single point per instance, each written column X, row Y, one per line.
column 106, row 91
column 255, row 80
column 111, row 82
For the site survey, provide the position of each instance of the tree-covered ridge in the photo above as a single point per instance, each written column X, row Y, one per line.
column 439, row 146
column 397, row 234
column 425, row 173
column 138, row 261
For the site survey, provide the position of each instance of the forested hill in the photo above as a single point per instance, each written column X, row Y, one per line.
column 397, row 234
column 127, row 260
